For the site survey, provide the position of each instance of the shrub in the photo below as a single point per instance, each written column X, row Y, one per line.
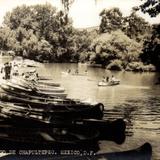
column 115, row 65
column 149, row 68
column 135, row 66
column 139, row 66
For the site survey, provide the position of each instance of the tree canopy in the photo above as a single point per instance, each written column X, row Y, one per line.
column 152, row 7
column 111, row 20
column 39, row 29
column 42, row 33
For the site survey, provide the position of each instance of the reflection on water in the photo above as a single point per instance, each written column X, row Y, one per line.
column 136, row 99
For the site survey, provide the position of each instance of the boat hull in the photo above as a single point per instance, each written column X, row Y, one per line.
column 12, row 137
column 53, row 110
column 111, row 83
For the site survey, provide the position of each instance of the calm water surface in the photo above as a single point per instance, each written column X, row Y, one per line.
column 136, row 99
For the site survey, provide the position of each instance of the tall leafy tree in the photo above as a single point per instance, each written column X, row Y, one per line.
column 151, row 51
column 66, row 6
column 111, row 20
column 38, row 28
column 115, row 46
column 136, row 27
column 152, row 7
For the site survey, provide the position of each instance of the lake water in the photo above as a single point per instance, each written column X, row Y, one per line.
column 136, row 99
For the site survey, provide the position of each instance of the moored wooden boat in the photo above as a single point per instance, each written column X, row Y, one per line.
column 40, row 118
column 13, row 137
column 56, row 92
column 107, row 130
column 36, row 80
column 48, row 82
column 27, row 96
column 53, row 110
column 50, row 89
column 52, row 93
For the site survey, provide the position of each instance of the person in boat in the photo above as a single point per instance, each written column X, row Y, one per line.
column 113, row 78
column 104, row 79
column 69, row 71
column 86, row 71
column 107, row 79
column 76, row 71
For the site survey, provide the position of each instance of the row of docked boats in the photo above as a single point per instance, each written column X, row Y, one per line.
column 38, row 115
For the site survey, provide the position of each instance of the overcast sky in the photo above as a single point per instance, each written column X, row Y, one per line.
column 83, row 12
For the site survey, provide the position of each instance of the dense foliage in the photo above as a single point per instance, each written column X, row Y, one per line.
column 152, row 7
column 38, row 32
column 42, row 33
column 111, row 20
column 120, row 42
column 151, row 50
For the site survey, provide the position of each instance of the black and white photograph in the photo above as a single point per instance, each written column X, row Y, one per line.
column 80, row 79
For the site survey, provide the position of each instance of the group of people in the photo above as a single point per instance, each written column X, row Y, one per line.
column 76, row 72
column 107, row 79
column 31, row 76
column 9, row 69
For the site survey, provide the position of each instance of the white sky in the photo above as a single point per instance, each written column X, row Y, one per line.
column 83, row 12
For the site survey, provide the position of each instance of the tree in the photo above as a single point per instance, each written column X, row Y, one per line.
column 111, row 20
column 39, row 26
column 115, row 46
column 152, row 7
column 66, row 6
column 151, row 51
column 136, row 27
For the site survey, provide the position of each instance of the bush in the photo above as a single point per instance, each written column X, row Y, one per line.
column 115, row 65
column 149, row 68
column 139, row 66
column 135, row 66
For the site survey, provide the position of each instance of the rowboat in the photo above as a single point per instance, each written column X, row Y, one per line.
column 79, row 74
column 50, row 89
column 143, row 152
column 44, row 77
column 20, row 94
column 65, row 73
column 53, row 92
column 87, row 123
column 13, row 137
column 39, row 81
column 53, row 109
column 19, row 82
column 110, row 83
column 73, row 74
column 48, row 82
column 21, row 115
